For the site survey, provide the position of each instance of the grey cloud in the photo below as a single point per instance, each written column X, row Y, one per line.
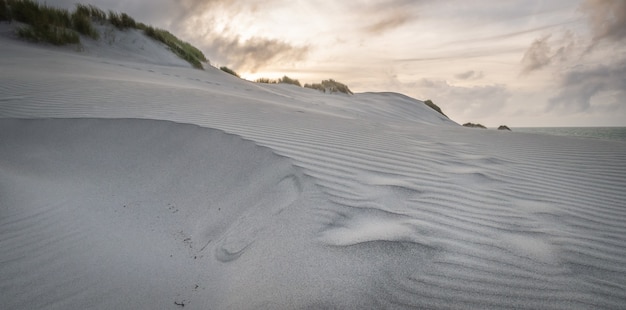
column 475, row 102
column 578, row 87
column 254, row 53
column 388, row 14
column 537, row 55
column 470, row 75
column 607, row 18
column 389, row 22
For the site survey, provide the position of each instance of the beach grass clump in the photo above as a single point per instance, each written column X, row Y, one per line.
column 472, row 125
column 181, row 48
column 266, row 81
column 122, row 21
column 433, row 106
column 43, row 23
column 54, row 35
column 81, row 22
column 287, row 80
column 38, row 15
column 330, row 86
column 229, row 71
column 283, row 80
column 91, row 11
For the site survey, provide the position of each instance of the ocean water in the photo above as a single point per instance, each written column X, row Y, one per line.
column 606, row 133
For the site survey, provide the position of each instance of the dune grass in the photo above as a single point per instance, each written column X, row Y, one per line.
column 283, row 80
column 61, row 27
column 433, row 106
column 330, row 86
column 43, row 23
column 266, row 81
column 182, row 49
column 472, row 125
column 229, row 71
column 122, row 21
column 287, row 80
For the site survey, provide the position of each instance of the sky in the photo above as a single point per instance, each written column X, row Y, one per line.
column 522, row 63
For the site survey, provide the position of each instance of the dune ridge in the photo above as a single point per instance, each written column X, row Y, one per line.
column 363, row 201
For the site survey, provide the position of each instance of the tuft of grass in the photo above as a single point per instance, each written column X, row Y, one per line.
column 82, row 24
column 472, row 125
column 330, row 86
column 54, row 35
column 122, row 21
column 287, row 80
column 229, row 71
column 283, row 80
column 44, row 23
column 37, row 15
column 181, row 48
column 504, row 127
column 433, row 106
column 91, row 11
column 265, row 81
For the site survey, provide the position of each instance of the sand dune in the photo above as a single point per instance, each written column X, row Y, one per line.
column 126, row 184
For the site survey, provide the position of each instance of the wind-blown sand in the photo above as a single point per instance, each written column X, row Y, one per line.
column 126, row 184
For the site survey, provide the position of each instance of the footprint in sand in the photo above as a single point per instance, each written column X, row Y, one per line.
column 247, row 228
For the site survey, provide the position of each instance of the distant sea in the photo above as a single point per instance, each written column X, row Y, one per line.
column 606, row 133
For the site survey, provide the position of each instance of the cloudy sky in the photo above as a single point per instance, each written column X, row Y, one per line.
column 514, row 62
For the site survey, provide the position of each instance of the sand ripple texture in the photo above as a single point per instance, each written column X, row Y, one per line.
column 133, row 185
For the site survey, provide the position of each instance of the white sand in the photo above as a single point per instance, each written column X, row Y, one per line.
column 125, row 184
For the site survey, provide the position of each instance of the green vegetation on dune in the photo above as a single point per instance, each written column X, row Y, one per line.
column 121, row 20
column 183, row 49
column 472, row 125
column 283, row 80
column 433, row 106
column 229, row 71
column 44, row 23
column 61, row 27
column 330, row 86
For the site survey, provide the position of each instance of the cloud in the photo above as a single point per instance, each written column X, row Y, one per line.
column 389, row 22
column 578, row 87
column 540, row 53
column 607, row 19
column 466, row 103
column 254, row 53
column 537, row 55
column 470, row 75
column 387, row 15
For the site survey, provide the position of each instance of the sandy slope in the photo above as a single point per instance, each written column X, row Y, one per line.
column 285, row 197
